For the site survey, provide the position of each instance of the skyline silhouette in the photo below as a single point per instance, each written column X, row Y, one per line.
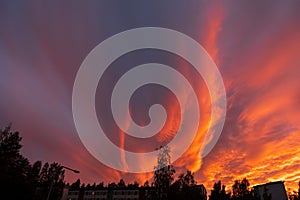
column 46, row 181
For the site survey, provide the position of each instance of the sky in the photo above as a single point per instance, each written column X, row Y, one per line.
column 255, row 45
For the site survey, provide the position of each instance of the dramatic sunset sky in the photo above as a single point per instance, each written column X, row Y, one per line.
column 255, row 44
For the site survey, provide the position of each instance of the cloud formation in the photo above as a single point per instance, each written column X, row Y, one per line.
column 256, row 46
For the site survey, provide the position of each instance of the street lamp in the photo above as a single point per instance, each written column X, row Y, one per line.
column 63, row 167
column 73, row 170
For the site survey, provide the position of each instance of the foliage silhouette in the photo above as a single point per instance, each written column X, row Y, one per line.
column 218, row 192
column 185, row 187
column 16, row 173
column 241, row 190
column 295, row 195
column 33, row 181
column 163, row 174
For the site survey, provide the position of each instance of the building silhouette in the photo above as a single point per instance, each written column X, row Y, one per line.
column 272, row 190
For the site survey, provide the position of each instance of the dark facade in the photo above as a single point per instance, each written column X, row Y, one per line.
column 275, row 189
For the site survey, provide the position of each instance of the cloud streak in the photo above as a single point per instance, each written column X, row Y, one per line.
column 255, row 45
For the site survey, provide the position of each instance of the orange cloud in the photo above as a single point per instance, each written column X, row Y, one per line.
column 260, row 138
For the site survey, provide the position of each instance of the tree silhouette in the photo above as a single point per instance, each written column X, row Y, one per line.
column 121, row 184
column 51, row 182
column 14, row 168
column 146, row 184
column 134, row 185
column 186, row 180
column 18, row 175
column 38, row 182
column 299, row 190
column 295, row 195
column 185, row 188
column 100, row 186
column 163, row 174
column 241, row 190
column 112, row 185
column 76, row 185
column 34, row 176
column 218, row 192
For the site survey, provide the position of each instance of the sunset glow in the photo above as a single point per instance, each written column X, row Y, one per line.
column 255, row 45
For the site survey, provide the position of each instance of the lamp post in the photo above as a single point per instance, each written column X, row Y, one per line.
column 51, row 186
column 73, row 170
